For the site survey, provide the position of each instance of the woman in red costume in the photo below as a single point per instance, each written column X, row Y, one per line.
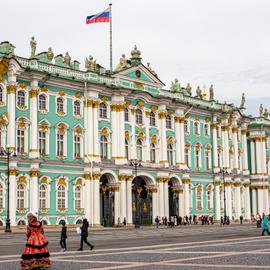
column 36, row 254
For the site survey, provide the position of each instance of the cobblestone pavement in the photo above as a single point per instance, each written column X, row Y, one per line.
column 194, row 247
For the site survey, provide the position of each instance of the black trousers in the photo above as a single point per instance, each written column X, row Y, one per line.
column 63, row 243
column 265, row 230
column 84, row 239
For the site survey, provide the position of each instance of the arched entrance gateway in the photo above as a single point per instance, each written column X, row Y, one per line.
column 174, row 188
column 107, row 209
column 142, row 211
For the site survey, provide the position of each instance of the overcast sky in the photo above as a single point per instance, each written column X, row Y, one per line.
column 221, row 42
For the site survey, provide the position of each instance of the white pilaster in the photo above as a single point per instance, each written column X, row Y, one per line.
column 186, row 182
column 260, row 193
column 96, row 131
column 238, row 211
column 123, row 197
column 217, row 201
column 253, row 156
column 12, row 196
column 225, row 144
column 215, row 145
column 228, row 195
column 96, row 200
column 263, row 146
column 247, row 202
column 115, row 134
column 129, row 200
column 181, row 204
column 235, row 148
column 154, row 204
column 266, row 201
column 34, row 190
column 147, row 139
column 245, row 153
column 116, row 205
column 254, row 202
column 133, row 153
column 166, row 198
column 88, row 196
column 161, row 198
column 163, row 138
column 258, row 156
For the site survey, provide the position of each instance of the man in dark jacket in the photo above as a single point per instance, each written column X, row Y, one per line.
column 84, row 235
column 63, row 236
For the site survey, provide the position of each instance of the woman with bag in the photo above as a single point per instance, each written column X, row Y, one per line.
column 84, row 235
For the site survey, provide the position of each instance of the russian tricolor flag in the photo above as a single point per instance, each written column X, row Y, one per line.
column 103, row 16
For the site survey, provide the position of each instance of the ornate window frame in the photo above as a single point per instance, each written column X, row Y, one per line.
column 46, row 181
column 46, row 109
column 62, row 181
column 61, row 130
column 23, row 107
column 78, row 132
column 78, row 116
column 64, row 112
column 4, row 95
column 22, row 124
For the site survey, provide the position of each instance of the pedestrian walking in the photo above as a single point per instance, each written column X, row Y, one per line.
column 63, row 236
column 265, row 225
column 241, row 219
column 157, row 221
column 221, row 221
column 84, row 235
column 35, row 254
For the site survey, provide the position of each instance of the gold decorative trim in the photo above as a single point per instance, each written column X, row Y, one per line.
column 162, row 115
column 126, row 134
column 21, row 180
column 186, row 181
column 154, row 108
column 61, row 93
column 140, row 104
column 34, row 173
column 33, row 93
column 23, row 85
column 78, row 95
column 96, row 176
column 11, row 89
column 44, row 89
column 104, row 99
column 154, row 138
column 62, row 181
column 44, row 180
column 179, row 119
column 235, row 129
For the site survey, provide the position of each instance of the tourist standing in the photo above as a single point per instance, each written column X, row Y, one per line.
column 265, row 225
column 63, row 236
column 35, row 254
column 157, row 221
column 241, row 219
column 84, row 235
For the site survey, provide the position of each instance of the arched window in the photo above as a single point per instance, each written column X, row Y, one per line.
column 60, row 144
column 127, row 148
column 219, row 156
column 206, row 129
column 61, row 197
column 187, row 156
column 43, row 197
column 196, row 128
column 77, row 108
column 139, row 117
column 78, row 197
column 233, row 199
column 207, row 160
column 21, row 101
column 77, row 146
column 60, row 105
column 103, row 147
column 20, row 141
column 197, row 158
column 199, row 198
column 209, row 200
column 139, row 149
column 1, row 196
column 170, row 153
column 218, row 131
column 102, row 110
column 42, row 142
column 168, row 122
column 21, row 196
column 42, row 102
column 242, row 196
column 221, row 194
column 152, row 119
column 126, row 114
column 152, row 153
column 186, row 129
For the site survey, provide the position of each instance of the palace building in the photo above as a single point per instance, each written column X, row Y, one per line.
column 117, row 145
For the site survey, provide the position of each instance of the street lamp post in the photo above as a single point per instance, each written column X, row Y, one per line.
column 9, row 153
column 136, row 163
column 224, row 195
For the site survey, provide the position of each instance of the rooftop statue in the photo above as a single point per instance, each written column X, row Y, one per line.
column 50, row 54
column 33, row 45
column 261, row 110
column 225, row 107
column 67, row 59
column 90, row 64
column 243, row 101
column 266, row 113
column 123, row 63
column 198, row 92
column 211, row 92
column 150, row 68
column 175, row 86
column 189, row 89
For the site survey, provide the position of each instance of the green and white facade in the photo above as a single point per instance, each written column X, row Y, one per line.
column 75, row 133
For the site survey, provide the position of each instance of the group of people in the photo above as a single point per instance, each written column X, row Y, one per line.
column 36, row 253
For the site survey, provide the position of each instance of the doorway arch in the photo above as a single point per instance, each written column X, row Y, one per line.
column 174, row 185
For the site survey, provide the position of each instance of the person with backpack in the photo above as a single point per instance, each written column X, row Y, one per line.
column 84, row 235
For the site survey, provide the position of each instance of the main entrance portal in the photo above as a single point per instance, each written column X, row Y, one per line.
column 173, row 201
column 141, row 202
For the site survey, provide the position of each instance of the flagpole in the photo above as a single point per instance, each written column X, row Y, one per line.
column 111, row 64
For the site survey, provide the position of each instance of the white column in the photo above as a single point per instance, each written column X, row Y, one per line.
column 254, row 202
column 95, row 131
column 96, row 200
column 266, row 200
column 237, row 200
column 186, row 196
column 178, row 145
column 88, row 196
column 133, row 153
column 161, row 197
column 258, row 156
column 225, row 143
column 11, row 91
column 260, row 193
column 34, row 191
column 115, row 134
column 228, row 195
column 163, row 138
column 217, row 201
column 235, row 148
column 116, row 205
column 166, row 198
column 154, row 204
column 12, row 196
column 147, row 139
column 129, row 200
column 253, row 156
column 244, row 147
column 121, row 137
column 263, row 146
column 182, row 142
column 247, row 202
column 123, row 197
column 34, row 153
column 86, row 136
column 215, row 145
column 181, row 204
column 89, row 133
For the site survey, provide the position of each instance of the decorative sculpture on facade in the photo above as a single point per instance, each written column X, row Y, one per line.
column 199, row 92
column 50, row 55
column 123, row 64
column 189, row 89
column 33, row 45
column 261, row 110
column 266, row 113
column 211, row 93
column 90, row 64
column 243, row 101
column 150, row 68
column 67, row 59
column 175, row 86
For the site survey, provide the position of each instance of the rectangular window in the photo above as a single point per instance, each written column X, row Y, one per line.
column 20, row 141
column 42, row 142
column 60, row 145
column 77, row 147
